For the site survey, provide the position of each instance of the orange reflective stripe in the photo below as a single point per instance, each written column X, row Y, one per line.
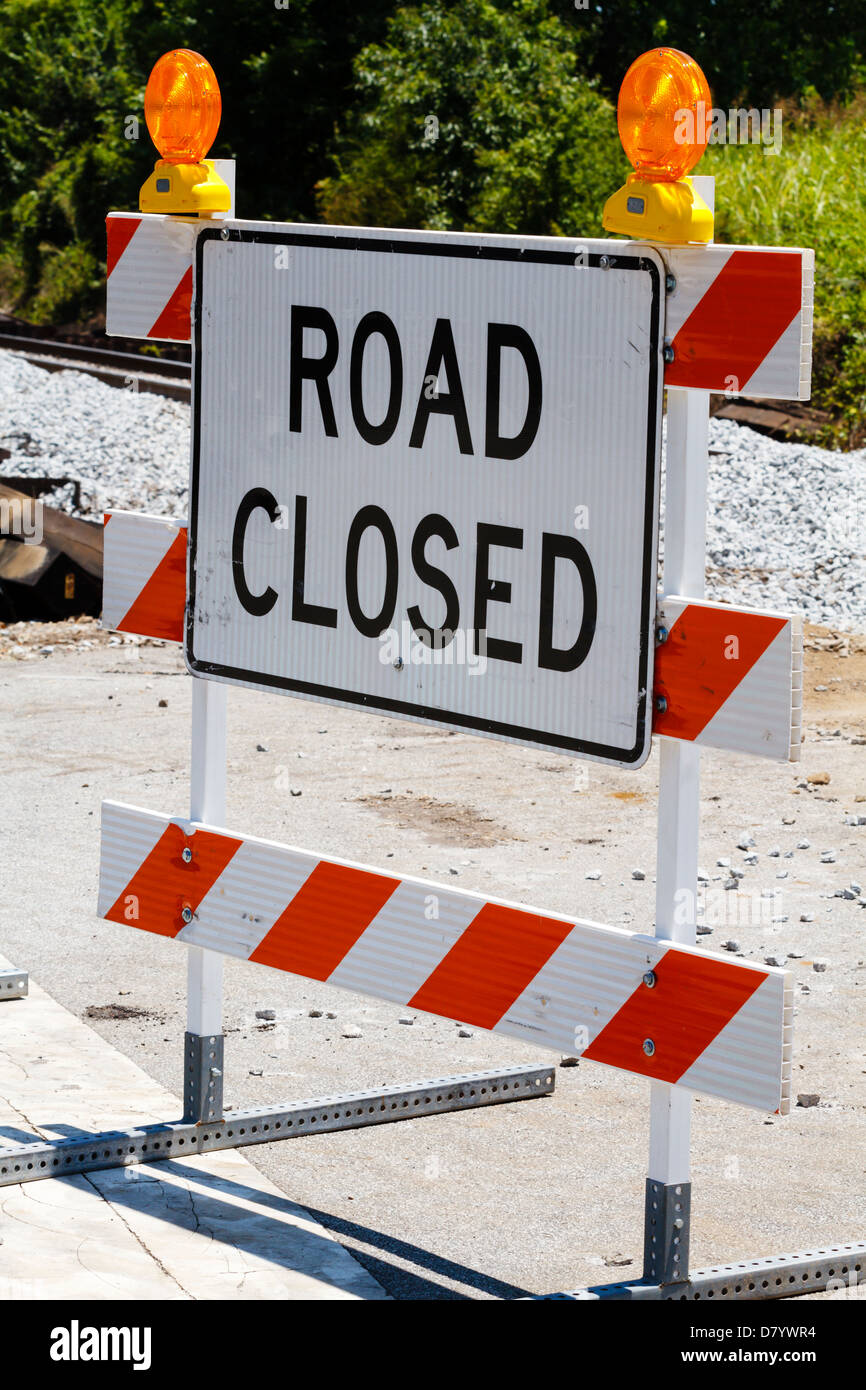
column 691, row 1003
column 119, row 232
column 490, row 965
column 158, row 610
column 698, row 668
column 324, row 920
column 156, row 895
column 739, row 320
column 175, row 319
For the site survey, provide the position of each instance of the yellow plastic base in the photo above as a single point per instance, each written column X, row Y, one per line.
column 670, row 212
column 185, row 189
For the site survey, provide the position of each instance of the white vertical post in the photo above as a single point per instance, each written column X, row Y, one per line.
column 679, row 773
column 207, row 795
column 207, row 802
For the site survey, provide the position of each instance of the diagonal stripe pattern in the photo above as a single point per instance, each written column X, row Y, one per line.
column 544, row 978
column 729, row 678
column 144, row 580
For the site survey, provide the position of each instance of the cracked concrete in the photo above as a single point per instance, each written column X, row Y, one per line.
column 204, row 1227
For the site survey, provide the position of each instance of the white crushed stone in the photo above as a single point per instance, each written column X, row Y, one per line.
column 129, row 450
column 786, row 527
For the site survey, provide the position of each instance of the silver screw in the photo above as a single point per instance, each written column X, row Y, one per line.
column 649, row 979
column 215, row 1071
column 670, row 283
column 186, row 914
column 661, row 704
column 398, row 664
column 649, row 1046
column 186, row 854
column 604, row 262
column 668, row 353
column 661, row 635
column 224, row 233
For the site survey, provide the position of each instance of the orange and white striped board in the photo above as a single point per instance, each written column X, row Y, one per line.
column 149, row 276
column 731, row 678
column 144, row 575
column 739, row 319
column 705, row 1022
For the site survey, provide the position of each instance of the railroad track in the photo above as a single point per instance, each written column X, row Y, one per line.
column 128, row 371
column 133, row 371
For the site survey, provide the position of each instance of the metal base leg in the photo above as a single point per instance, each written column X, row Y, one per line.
column 202, row 1077
column 53, row 1158
column 14, row 984
column 667, row 1216
column 835, row 1269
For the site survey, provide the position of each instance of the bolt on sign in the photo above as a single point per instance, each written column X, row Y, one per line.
column 425, row 478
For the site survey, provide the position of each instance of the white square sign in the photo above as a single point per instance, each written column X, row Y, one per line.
column 425, row 477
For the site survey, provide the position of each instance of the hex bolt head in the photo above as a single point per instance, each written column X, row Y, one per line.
column 186, row 854
column 398, row 664
column 670, row 283
column 668, row 354
column 604, row 262
column 661, row 704
column 186, row 914
column 649, row 979
column 661, row 634
column 649, row 1046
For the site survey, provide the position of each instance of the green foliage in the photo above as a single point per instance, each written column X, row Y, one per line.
column 752, row 51
column 811, row 194
column 66, row 83
column 475, row 115
column 522, row 92
column 73, row 71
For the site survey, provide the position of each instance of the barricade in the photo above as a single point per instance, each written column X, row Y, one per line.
column 230, row 582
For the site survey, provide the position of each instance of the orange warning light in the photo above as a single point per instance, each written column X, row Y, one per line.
column 664, row 103
column 662, row 112
column 182, row 106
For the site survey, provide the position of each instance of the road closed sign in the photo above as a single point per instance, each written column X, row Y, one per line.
column 425, row 477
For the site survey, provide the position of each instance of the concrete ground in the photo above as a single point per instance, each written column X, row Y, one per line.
column 527, row 1198
column 205, row 1227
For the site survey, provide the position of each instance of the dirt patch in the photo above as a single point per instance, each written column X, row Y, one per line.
column 442, row 822
column 103, row 1011
column 837, row 662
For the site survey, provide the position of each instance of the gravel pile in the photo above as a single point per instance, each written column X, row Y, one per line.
column 786, row 529
column 129, row 450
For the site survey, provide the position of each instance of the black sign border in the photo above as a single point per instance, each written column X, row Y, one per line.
column 388, row 245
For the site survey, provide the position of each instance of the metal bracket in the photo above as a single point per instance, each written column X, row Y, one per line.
column 834, row 1269
column 202, row 1077
column 667, row 1221
column 48, row 1158
column 14, row 984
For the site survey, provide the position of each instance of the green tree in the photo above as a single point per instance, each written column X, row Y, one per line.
column 66, row 85
column 475, row 115
column 751, row 52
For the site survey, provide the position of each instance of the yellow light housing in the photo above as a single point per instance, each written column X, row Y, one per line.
column 182, row 107
column 664, row 103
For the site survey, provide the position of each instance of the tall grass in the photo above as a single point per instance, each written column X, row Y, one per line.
column 813, row 193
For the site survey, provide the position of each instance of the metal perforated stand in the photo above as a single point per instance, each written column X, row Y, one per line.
column 14, row 984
